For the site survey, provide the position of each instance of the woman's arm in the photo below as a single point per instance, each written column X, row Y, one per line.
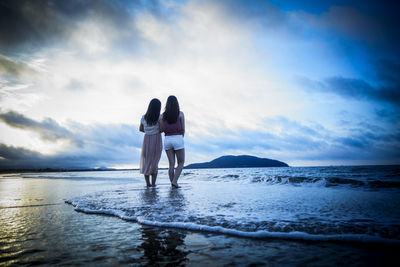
column 141, row 127
column 160, row 126
column 182, row 118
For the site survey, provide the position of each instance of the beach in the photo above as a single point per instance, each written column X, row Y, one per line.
column 108, row 218
column 281, row 119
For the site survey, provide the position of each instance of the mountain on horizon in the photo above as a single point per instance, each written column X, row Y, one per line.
column 243, row 161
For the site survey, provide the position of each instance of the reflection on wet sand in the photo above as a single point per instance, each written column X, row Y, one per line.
column 149, row 196
column 163, row 246
column 176, row 199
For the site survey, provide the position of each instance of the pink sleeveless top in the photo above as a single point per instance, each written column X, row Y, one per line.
column 172, row 129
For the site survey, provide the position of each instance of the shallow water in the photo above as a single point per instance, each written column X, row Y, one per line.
column 297, row 203
column 37, row 227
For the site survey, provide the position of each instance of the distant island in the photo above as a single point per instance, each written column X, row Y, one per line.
column 243, row 161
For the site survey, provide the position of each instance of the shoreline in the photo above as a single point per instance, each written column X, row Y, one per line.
column 16, row 171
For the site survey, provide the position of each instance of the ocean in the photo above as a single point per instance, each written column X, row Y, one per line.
column 321, row 207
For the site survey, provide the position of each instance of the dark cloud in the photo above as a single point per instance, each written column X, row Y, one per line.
column 370, row 24
column 317, row 6
column 351, row 142
column 13, row 158
column 14, row 67
column 263, row 11
column 48, row 129
column 31, row 25
column 389, row 72
column 387, row 115
column 81, row 135
column 21, row 158
column 367, row 33
column 386, row 78
column 356, row 89
column 354, row 24
column 92, row 146
column 373, row 24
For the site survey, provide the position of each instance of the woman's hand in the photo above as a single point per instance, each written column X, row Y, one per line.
column 182, row 118
column 160, row 126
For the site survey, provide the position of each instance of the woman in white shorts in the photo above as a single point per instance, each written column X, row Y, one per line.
column 173, row 126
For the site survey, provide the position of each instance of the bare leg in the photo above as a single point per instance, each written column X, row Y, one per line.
column 153, row 179
column 147, row 178
column 171, row 160
column 180, row 156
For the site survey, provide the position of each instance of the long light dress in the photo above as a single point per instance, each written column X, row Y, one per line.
column 151, row 148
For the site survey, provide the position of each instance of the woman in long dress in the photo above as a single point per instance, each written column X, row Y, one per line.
column 150, row 124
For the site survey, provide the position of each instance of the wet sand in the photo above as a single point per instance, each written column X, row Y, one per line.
column 37, row 227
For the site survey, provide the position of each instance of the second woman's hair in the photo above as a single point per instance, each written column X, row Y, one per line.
column 171, row 112
column 153, row 112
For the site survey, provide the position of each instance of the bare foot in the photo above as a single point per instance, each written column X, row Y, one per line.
column 175, row 185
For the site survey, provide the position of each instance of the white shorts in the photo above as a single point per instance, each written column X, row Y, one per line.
column 174, row 142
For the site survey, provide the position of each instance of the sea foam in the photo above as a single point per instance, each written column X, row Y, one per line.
column 255, row 210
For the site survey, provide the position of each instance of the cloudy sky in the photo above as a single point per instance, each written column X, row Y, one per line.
column 305, row 82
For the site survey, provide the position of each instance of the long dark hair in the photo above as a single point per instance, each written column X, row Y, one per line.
column 171, row 112
column 153, row 112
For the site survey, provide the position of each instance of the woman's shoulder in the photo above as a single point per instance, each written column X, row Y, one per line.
column 181, row 114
